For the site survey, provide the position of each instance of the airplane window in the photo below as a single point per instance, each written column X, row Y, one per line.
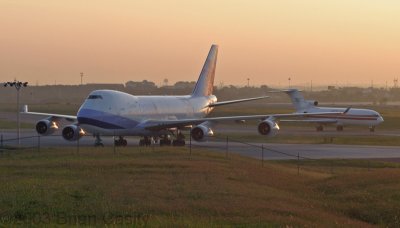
column 95, row 97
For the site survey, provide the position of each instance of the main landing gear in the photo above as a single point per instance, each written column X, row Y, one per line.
column 320, row 128
column 120, row 141
column 180, row 139
column 165, row 140
column 339, row 128
column 146, row 141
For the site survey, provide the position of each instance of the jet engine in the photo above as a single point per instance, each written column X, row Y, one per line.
column 46, row 127
column 268, row 128
column 312, row 102
column 201, row 132
column 72, row 132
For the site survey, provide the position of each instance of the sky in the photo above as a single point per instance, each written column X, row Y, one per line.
column 341, row 42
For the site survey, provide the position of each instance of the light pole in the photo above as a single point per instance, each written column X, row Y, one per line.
column 81, row 78
column 18, row 85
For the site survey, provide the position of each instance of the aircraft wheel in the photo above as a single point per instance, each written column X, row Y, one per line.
column 339, row 128
column 178, row 142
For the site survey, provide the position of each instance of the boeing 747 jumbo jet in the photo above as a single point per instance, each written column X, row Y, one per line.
column 365, row 117
column 114, row 113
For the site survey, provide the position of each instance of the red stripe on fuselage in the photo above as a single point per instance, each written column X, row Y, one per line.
column 346, row 117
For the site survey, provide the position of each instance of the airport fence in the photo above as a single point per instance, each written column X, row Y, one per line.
column 227, row 145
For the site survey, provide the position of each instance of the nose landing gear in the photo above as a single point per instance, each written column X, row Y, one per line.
column 372, row 129
column 97, row 141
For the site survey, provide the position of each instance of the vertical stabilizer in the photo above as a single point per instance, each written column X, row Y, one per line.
column 298, row 100
column 205, row 83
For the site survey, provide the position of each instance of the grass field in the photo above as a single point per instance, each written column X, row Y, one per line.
column 6, row 124
column 166, row 186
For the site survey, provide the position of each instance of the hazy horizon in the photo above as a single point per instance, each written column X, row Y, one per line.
column 341, row 42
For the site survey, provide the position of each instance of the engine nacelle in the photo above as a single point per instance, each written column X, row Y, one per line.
column 312, row 102
column 72, row 133
column 200, row 133
column 46, row 127
column 268, row 128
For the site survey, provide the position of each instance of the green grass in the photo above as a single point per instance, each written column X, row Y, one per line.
column 6, row 124
column 164, row 187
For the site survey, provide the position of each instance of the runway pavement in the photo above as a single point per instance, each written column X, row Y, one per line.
column 272, row 151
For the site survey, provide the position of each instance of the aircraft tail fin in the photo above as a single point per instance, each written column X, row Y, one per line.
column 205, row 83
column 298, row 100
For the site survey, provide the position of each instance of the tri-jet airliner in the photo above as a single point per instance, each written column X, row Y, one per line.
column 114, row 113
column 355, row 116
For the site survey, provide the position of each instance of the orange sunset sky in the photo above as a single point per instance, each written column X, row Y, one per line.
column 342, row 42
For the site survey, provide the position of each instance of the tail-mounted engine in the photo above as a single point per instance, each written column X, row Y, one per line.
column 312, row 102
column 200, row 133
column 268, row 128
column 46, row 127
column 72, row 132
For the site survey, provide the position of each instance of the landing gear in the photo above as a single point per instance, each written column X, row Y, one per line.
column 146, row 141
column 97, row 141
column 320, row 128
column 180, row 139
column 120, row 141
column 339, row 128
column 165, row 140
column 372, row 129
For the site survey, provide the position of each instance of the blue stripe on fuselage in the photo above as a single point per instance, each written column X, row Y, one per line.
column 105, row 120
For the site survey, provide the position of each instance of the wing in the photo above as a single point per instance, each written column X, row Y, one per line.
column 236, row 101
column 155, row 125
column 51, row 115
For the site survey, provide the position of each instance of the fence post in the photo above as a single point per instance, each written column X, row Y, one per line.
column 190, row 144
column 77, row 146
column 1, row 145
column 38, row 143
column 298, row 163
column 114, row 142
column 262, row 155
column 227, row 147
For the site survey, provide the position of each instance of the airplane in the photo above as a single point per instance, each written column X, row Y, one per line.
column 115, row 113
column 354, row 116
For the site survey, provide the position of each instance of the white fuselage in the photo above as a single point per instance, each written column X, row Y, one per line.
column 354, row 116
column 109, row 112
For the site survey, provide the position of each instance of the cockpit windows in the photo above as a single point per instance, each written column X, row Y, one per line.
column 95, row 97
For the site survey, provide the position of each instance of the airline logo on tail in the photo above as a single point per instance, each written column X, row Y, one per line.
column 205, row 83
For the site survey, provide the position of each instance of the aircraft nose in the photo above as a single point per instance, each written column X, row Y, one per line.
column 380, row 119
